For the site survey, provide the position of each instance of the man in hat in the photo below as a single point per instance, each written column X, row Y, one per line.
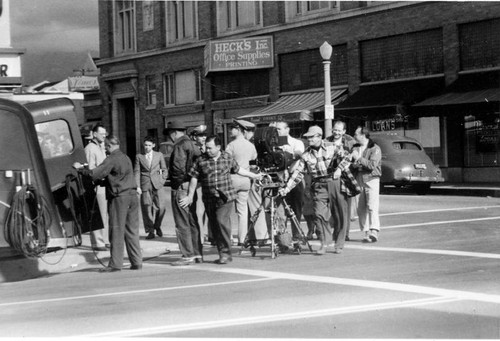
column 248, row 129
column 187, row 229
column 199, row 135
column 242, row 151
column 150, row 173
column 325, row 162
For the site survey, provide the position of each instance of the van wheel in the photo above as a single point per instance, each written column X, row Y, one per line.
column 422, row 189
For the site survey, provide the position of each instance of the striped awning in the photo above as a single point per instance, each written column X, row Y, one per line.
column 296, row 107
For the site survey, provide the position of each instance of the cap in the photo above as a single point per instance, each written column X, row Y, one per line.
column 245, row 125
column 198, row 130
column 175, row 125
column 314, row 130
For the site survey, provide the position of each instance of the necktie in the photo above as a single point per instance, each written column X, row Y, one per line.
column 149, row 158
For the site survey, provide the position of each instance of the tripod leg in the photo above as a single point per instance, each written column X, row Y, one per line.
column 294, row 219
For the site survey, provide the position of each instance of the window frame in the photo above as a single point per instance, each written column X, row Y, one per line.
column 299, row 9
column 173, row 33
column 124, row 31
column 169, row 81
column 231, row 18
column 151, row 91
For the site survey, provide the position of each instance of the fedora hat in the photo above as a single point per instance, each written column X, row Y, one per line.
column 175, row 125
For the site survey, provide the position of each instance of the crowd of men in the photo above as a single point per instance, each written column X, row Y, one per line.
column 214, row 189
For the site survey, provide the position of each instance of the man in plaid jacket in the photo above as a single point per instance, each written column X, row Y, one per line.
column 325, row 162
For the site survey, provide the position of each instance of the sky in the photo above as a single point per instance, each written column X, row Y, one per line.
column 49, row 30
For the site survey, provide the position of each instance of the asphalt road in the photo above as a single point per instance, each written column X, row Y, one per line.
column 433, row 274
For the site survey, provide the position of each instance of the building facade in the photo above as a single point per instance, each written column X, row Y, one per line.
column 428, row 70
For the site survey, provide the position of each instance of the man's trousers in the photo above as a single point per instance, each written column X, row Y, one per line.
column 329, row 201
column 124, row 230
column 153, row 206
column 186, row 224
column 219, row 219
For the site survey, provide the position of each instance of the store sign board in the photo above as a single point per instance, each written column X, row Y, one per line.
column 10, row 66
column 239, row 54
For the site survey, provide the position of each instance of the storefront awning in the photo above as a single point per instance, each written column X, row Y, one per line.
column 471, row 88
column 392, row 94
column 297, row 107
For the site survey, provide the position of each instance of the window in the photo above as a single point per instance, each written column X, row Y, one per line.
column 296, row 9
column 151, row 90
column 402, row 56
column 234, row 15
column 54, row 138
column 304, row 69
column 182, row 87
column 125, row 41
column 249, row 83
column 181, row 20
column 479, row 45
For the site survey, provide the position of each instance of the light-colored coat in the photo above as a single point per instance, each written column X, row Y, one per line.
column 147, row 176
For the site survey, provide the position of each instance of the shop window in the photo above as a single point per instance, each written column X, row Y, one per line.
column 182, row 20
column 125, row 29
column 482, row 140
column 54, row 138
column 229, row 85
column 479, row 45
column 402, row 56
column 151, row 90
column 235, row 15
column 304, row 70
column 184, row 87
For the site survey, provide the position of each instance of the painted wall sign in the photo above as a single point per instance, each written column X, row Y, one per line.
column 239, row 54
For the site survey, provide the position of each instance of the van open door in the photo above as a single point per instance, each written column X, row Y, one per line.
column 61, row 145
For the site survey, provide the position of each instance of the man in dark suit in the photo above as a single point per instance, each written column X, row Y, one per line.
column 150, row 174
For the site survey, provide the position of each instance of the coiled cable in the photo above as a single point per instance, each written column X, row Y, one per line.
column 27, row 223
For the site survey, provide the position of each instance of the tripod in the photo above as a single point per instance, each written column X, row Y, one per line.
column 280, row 240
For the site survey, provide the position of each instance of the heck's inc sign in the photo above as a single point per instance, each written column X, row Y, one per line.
column 239, row 54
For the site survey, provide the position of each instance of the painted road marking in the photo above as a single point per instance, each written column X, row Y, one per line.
column 434, row 223
column 428, row 251
column 48, row 300
column 408, row 288
column 440, row 210
column 148, row 331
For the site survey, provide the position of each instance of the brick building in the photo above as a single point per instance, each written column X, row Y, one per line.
column 428, row 70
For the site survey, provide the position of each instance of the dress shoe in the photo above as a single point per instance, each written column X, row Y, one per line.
column 151, row 235
column 337, row 250
column 366, row 238
column 183, row 262
column 310, row 236
column 321, row 250
column 159, row 233
column 347, row 238
column 136, row 267
column 109, row 269
column 224, row 260
column 167, row 251
column 100, row 248
column 373, row 236
column 198, row 259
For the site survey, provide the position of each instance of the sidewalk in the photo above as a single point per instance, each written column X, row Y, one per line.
column 18, row 268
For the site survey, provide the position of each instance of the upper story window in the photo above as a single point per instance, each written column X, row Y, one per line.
column 295, row 9
column 479, row 44
column 236, row 15
column 184, row 87
column 182, row 20
column 125, row 39
column 151, row 90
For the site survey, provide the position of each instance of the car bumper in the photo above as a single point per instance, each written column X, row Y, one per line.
column 408, row 179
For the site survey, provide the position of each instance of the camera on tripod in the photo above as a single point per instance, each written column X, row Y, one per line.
column 271, row 159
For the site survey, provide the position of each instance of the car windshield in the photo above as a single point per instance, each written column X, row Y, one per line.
column 405, row 146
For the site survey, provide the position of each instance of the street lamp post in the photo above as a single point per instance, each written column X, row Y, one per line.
column 326, row 52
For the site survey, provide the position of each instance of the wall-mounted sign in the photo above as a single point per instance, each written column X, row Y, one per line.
column 239, row 54
column 10, row 65
column 383, row 125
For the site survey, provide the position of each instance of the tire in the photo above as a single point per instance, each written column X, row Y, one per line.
column 422, row 189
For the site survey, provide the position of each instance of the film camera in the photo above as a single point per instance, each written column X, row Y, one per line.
column 270, row 158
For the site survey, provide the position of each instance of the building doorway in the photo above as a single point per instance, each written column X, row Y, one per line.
column 127, row 126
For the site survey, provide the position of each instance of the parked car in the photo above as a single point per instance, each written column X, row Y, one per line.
column 405, row 163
